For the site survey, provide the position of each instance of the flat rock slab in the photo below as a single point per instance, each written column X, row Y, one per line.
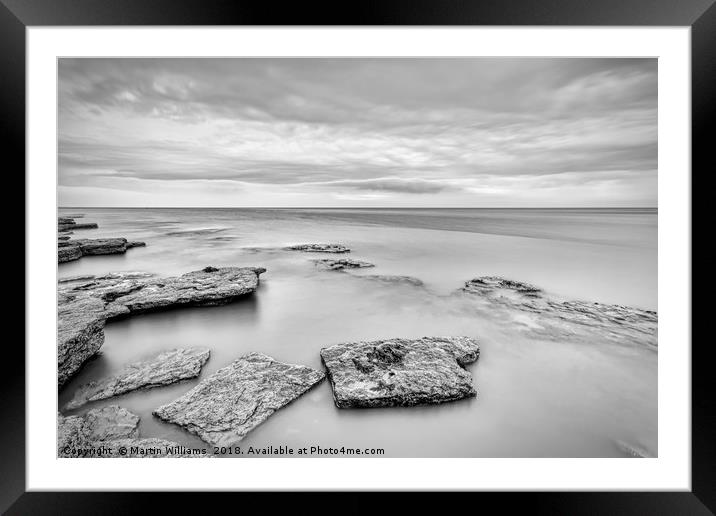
column 163, row 368
column 105, row 424
column 559, row 319
column 68, row 223
column 210, row 286
column 342, row 263
column 85, row 305
column 110, row 432
column 236, row 399
column 319, row 248
column 70, row 250
column 400, row 372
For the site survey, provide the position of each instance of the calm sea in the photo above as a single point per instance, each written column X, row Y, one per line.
column 545, row 395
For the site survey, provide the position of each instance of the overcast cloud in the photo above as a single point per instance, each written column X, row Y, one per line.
column 358, row 132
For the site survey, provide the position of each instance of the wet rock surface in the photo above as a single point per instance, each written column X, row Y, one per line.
column 85, row 305
column 342, row 263
column 105, row 424
column 70, row 250
column 109, row 432
column 400, row 372
column 69, row 224
column 549, row 317
column 495, row 284
column 225, row 407
column 319, row 248
column 163, row 368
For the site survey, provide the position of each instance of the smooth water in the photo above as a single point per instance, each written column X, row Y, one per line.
column 537, row 396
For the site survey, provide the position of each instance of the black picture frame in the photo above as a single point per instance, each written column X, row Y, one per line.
column 17, row 15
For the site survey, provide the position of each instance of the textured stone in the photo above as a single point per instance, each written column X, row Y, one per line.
column 163, row 368
column 230, row 403
column 319, row 248
column 342, row 263
column 400, row 372
column 74, row 226
column 68, row 253
column 68, row 223
column 69, row 250
column 110, row 432
column 210, row 286
column 549, row 317
column 107, row 423
column 495, row 284
column 84, row 306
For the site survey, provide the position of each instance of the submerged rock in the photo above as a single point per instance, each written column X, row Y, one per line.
column 109, row 432
column 230, row 403
column 342, row 263
column 319, row 248
column 196, row 232
column 398, row 280
column 400, row 372
column 105, row 424
column 68, row 223
column 634, row 451
column 163, row 368
column 565, row 319
column 69, row 250
column 85, row 306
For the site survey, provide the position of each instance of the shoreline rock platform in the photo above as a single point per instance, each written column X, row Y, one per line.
column 400, row 372
column 342, row 263
column 225, row 407
column 69, row 224
column 161, row 369
column 110, row 432
column 319, row 248
column 84, row 306
column 70, row 250
column 556, row 318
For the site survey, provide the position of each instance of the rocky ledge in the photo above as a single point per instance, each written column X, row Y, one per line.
column 85, row 305
column 319, row 248
column 69, row 224
column 70, row 250
column 400, row 372
column 559, row 319
column 163, row 368
column 342, row 263
column 230, row 403
column 109, row 432
column 495, row 284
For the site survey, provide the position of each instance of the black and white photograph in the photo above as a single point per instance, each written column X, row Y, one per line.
column 357, row 257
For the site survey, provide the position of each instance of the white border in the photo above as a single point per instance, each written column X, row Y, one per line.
column 670, row 471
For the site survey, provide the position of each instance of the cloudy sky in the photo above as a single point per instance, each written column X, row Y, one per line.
column 358, row 132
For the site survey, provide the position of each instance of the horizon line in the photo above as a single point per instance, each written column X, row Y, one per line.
column 369, row 207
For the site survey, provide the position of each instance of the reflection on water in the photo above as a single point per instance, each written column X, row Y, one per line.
column 538, row 394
